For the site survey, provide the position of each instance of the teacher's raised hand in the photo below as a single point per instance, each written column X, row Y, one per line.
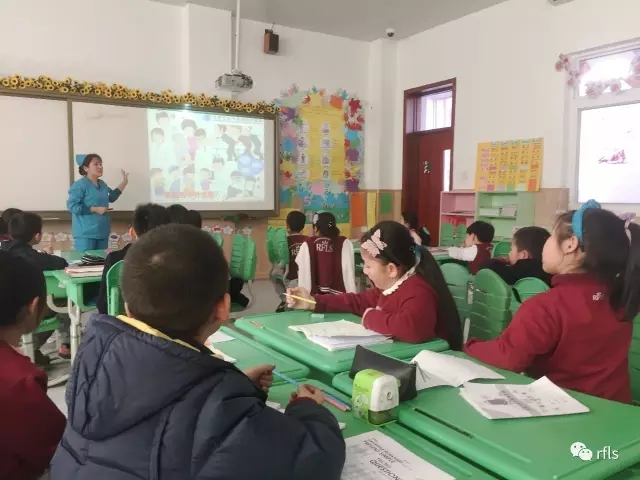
column 125, row 180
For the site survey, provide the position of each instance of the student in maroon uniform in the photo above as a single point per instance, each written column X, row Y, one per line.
column 31, row 424
column 295, row 238
column 578, row 333
column 477, row 246
column 410, row 300
column 325, row 261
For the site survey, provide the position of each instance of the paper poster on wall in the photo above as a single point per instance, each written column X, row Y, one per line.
column 322, row 149
column 509, row 166
column 372, row 209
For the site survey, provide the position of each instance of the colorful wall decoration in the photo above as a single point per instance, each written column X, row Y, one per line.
column 509, row 166
column 321, row 152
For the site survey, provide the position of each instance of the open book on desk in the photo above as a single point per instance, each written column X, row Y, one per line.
column 541, row 398
column 340, row 335
column 438, row 369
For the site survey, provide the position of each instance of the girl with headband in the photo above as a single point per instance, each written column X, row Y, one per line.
column 578, row 333
column 410, row 300
column 326, row 262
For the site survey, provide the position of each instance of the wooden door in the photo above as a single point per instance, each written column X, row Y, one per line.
column 431, row 167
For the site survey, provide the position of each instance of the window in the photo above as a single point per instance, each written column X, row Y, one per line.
column 434, row 111
column 602, row 139
column 446, row 170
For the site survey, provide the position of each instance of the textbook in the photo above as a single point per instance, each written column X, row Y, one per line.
column 541, row 398
column 439, row 369
column 340, row 335
column 81, row 271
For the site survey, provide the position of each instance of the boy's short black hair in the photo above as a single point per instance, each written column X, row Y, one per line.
column 157, row 131
column 296, row 221
column 201, row 132
column 24, row 226
column 531, row 240
column 483, row 230
column 187, row 122
column 20, row 282
column 411, row 219
column 178, row 214
column 149, row 216
column 195, row 218
column 6, row 217
column 172, row 279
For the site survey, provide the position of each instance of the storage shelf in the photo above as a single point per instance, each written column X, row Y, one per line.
column 458, row 214
column 505, row 217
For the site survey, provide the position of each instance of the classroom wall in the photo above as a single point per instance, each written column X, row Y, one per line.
column 503, row 58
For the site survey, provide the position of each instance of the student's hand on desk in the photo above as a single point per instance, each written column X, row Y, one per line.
column 99, row 210
column 299, row 304
column 262, row 376
column 48, row 250
column 308, row 391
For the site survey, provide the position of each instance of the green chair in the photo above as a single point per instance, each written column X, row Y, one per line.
column 634, row 361
column 281, row 251
column 457, row 278
column 460, row 234
column 115, row 301
column 501, row 250
column 446, row 235
column 218, row 238
column 244, row 259
column 490, row 309
column 526, row 288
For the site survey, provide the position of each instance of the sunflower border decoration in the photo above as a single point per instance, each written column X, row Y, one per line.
column 76, row 88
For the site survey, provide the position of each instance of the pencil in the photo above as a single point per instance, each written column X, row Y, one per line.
column 256, row 324
column 313, row 302
column 343, row 407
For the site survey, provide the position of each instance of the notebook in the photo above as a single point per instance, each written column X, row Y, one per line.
column 278, row 407
column 88, row 271
column 221, row 355
column 340, row 335
column 438, row 369
column 541, row 398
column 218, row 337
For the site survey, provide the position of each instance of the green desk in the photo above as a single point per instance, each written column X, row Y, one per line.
column 250, row 353
column 527, row 448
column 74, row 287
column 424, row 449
column 273, row 330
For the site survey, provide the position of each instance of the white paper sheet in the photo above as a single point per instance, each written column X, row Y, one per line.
column 541, row 398
column 222, row 355
column 374, row 456
column 340, row 328
column 218, row 337
column 436, row 369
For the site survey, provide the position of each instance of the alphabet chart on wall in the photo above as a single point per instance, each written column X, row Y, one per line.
column 509, row 166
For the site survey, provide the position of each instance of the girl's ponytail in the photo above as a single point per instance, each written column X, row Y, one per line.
column 429, row 269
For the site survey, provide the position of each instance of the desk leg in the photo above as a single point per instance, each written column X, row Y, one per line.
column 54, row 307
column 74, row 315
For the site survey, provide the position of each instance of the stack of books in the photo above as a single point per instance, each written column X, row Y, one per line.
column 79, row 271
column 340, row 335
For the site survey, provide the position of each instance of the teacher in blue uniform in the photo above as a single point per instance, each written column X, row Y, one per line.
column 88, row 202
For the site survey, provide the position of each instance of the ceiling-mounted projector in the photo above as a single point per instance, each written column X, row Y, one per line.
column 236, row 82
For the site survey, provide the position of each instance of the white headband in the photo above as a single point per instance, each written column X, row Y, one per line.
column 374, row 245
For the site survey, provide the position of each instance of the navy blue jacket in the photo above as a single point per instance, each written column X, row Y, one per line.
column 143, row 406
column 42, row 260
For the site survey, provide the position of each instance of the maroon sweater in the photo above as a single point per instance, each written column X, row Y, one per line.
column 31, row 424
column 410, row 314
column 569, row 334
column 326, row 265
column 484, row 254
column 294, row 241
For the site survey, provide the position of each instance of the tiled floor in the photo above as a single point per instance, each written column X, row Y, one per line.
column 265, row 300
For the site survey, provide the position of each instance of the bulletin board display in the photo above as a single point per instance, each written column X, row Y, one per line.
column 509, row 166
column 321, row 152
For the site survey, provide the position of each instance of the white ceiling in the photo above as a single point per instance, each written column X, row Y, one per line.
column 358, row 19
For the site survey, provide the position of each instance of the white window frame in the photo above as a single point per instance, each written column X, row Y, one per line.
column 574, row 105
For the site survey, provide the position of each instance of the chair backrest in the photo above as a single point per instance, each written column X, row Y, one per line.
column 446, row 235
column 218, row 238
column 115, row 301
column 489, row 312
column 457, row 278
column 634, row 361
column 525, row 288
column 281, row 247
column 271, row 251
column 461, row 233
column 244, row 258
column 501, row 250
